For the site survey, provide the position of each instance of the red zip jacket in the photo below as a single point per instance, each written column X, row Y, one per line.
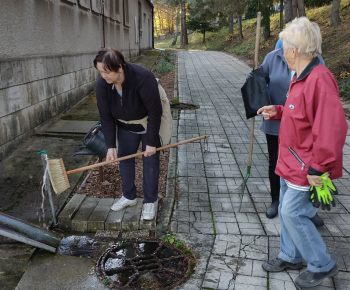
column 313, row 127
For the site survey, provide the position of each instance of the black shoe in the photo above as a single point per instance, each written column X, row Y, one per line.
column 318, row 222
column 272, row 211
column 277, row 265
column 311, row 279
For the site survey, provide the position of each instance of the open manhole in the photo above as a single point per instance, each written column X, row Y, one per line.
column 183, row 106
column 143, row 264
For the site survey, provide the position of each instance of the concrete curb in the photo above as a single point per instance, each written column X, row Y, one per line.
column 169, row 200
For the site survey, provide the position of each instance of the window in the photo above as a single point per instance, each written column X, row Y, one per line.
column 85, row 4
column 117, row 7
column 96, row 6
column 140, row 16
column 111, row 9
column 126, row 12
column 116, row 10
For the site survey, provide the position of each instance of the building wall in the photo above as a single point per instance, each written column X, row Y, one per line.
column 46, row 53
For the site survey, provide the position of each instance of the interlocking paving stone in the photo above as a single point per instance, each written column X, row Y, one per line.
column 80, row 220
column 342, row 280
column 94, row 214
column 114, row 219
column 211, row 177
column 69, row 211
column 132, row 215
column 147, row 224
column 97, row 219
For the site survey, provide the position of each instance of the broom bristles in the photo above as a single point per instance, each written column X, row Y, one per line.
column 58, row 175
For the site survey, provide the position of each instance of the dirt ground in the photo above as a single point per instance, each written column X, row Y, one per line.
column 112, row 184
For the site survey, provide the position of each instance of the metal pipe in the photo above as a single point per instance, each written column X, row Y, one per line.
column 28, row 233
column 152, row 26
column 103, row 22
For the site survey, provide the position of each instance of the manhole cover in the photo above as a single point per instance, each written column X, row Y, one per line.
column 143, row 264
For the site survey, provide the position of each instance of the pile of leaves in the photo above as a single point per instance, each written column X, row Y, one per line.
column 111, row 186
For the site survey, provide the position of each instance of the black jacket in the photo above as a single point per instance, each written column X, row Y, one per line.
column 140, row 99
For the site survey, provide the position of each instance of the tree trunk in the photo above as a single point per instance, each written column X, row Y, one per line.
column 160, row 23
column 240, row 32
column 265, row 22
column 288, row 10
column 301, row 8
column 203, row 35
column 294, row 9
column 266, row 30
column 184, row 29
column 281, row 15
column 335, row 13
column 177, row 26
column 230, row 24
column 172, row 22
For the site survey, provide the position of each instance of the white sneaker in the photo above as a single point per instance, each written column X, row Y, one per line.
column 149, row 210
column 123, row 203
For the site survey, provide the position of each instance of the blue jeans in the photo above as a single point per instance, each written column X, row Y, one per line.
column 128, row 143
column 299, row 236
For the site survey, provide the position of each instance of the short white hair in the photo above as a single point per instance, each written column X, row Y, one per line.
column 304, row 35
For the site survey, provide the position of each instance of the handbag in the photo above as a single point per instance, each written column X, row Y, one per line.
column 255, row 93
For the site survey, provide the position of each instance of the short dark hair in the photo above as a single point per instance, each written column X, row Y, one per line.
column 111, row 59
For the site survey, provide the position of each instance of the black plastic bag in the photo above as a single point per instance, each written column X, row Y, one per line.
column 254, row 93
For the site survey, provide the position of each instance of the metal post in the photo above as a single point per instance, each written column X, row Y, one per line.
column 48, row 188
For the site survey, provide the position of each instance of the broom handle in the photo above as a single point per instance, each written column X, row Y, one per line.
column 257, row 41
column 256, row 64
column 136, row 154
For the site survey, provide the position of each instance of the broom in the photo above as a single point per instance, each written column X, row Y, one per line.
column 59, row 175
column 252, row 122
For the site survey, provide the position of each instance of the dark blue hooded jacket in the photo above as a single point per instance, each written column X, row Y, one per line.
column 278, row 77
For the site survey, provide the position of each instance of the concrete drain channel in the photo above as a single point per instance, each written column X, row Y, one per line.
column 183, row 106
column 143, row 264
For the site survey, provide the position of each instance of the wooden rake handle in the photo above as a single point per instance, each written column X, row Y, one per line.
column 135, row 155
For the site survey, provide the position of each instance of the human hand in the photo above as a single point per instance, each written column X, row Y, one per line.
column 323, row 195
column 112, row 155
column 150, row 150
column 314, row 180
column 267, row 111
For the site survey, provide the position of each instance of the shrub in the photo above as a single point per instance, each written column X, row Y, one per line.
column 168, row 55
column 317, row 3
column 344, row 88
column 163, row 66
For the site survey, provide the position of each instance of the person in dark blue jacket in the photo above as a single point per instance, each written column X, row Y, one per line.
column 128, row 92
column 278, row 77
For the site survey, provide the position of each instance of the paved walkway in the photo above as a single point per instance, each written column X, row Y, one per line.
column 233, row 244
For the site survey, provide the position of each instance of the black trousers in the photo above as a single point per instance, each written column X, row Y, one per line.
column 272, row 147
column 128, row 144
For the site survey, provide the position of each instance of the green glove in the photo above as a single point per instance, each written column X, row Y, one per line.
column 322, row 195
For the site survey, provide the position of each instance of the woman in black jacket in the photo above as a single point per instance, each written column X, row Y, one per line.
column 129, row 92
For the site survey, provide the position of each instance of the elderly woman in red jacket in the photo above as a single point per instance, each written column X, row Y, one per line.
column 312, row 135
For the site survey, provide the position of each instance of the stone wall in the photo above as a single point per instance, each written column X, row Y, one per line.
column 46, row 53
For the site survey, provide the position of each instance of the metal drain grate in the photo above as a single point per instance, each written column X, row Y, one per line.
column 143, row 264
